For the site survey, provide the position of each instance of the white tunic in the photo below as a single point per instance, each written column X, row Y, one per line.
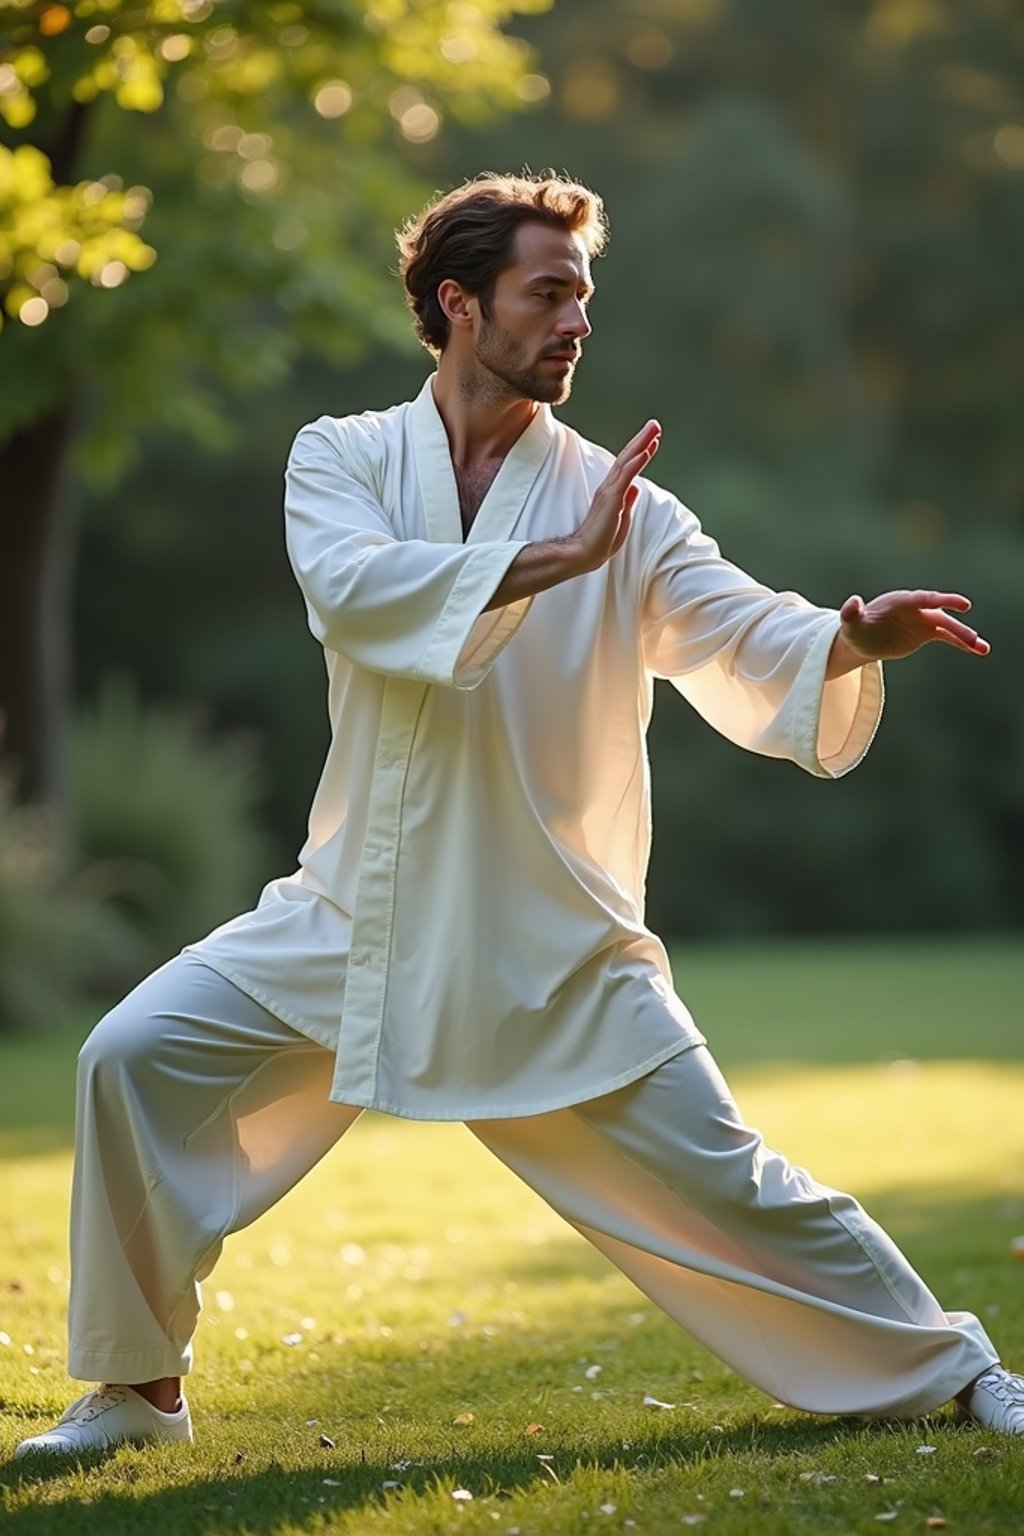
column 466, row 927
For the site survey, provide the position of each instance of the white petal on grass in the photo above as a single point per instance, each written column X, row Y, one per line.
column 737, row 1493
column 462, row 1495
column 291, row 1339
column 887, row 1514
column 654, row 1402
column 817, row 1477
column 926, row 1450
column 607, row 1509
column 592, row 1372
column 693, row 1519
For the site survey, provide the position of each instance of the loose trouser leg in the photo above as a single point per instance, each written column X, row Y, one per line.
column 197, row 1110
column 789, row 1282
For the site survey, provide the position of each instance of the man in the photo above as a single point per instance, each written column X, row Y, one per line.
column 464, row 938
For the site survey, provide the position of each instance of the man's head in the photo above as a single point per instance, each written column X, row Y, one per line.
column 499, row 270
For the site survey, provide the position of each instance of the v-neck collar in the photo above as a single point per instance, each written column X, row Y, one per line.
column 506, row 496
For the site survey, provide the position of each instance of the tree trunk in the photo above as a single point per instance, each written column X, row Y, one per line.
column 35, row 568
column 35, row 572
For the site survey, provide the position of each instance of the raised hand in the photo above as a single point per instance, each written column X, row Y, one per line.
column 603, row 531
column 899, row 623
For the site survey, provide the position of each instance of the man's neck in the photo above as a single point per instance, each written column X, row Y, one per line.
column 482, row 422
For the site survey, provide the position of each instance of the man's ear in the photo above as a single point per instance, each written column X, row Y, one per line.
column 460, row 308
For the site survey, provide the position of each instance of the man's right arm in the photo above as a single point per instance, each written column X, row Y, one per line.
column 601, row 535
column 406, row 608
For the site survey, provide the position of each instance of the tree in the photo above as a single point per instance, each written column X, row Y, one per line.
column 192, row 192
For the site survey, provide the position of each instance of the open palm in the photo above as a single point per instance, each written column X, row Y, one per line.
column 899, row 623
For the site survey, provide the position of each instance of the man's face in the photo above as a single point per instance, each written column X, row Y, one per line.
column 530, row 337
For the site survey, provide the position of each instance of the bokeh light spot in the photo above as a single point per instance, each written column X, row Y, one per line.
column 254, row 146
column 34, row 311
column 260, row 176
column 176, row 48
column 1009, row 145
column 333, row 98
column 290, row 234
column 649, row 48
column 533, row 88
column 458, row 49
column 419, row 123
column 112, row 274
column 54, row 20
column 591, row 90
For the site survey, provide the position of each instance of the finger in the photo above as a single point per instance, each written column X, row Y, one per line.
column 954, row 600
column 939, row 620
column 974, row 646
column 620, row 475
column 649, row 432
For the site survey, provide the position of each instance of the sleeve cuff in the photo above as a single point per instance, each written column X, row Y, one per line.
column 832, row 724
column 467, row 641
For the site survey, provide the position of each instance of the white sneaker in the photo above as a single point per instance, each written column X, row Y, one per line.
column 997, row 1401
column 106, row 1417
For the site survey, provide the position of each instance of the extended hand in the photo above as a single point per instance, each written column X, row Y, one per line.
column 899, row 623
column 603, row 531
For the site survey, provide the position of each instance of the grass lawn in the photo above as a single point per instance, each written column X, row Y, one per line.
column 412, row 1343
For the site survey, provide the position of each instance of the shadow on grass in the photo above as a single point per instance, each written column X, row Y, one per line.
column 257, row 1501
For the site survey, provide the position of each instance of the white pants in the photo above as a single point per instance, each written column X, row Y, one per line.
column 198, row 1109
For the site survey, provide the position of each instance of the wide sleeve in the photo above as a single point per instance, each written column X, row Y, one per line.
column 751, row 661
column 404, row 607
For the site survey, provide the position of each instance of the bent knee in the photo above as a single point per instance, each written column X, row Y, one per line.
column 123, row 1040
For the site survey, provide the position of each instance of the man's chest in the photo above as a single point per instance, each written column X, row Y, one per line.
column 472, row 482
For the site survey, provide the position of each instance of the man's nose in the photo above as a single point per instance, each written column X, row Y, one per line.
column 574, row 322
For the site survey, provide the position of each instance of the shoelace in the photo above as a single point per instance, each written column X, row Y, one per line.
column 94, row 1405
column 1006, row 1388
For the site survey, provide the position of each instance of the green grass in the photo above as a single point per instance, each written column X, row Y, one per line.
column 449, row 1322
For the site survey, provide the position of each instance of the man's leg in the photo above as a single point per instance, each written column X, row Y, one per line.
column 197, row 1110
column 789, row 1282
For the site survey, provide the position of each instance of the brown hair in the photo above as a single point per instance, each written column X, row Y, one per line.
column 469, row 234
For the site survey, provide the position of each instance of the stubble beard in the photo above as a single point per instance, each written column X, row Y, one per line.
column 504, row 371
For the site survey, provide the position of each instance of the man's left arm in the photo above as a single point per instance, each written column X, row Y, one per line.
column 768, row 670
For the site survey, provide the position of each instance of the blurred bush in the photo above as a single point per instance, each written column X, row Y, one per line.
column 164, row 820
column 166, row 845
column 55, row 939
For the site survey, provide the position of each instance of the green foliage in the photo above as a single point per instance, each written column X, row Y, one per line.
column 163, row 820
column 276, row 144
column 54, row 939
